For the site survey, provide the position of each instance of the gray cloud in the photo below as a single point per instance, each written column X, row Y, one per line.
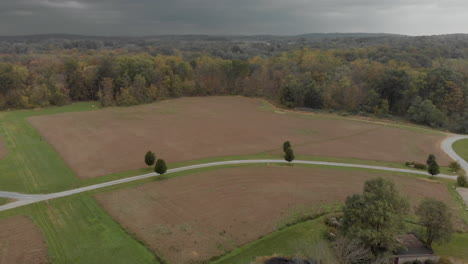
column 151, row 17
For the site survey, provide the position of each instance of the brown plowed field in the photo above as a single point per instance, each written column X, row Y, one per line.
column 21, row 242
column 116, row 139
column 3, row 149
column 199, row 216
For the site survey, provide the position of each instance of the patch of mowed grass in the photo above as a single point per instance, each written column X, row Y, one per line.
column 4, row 201
column 32, row 165
column 285, row 242
column 461, row 147
column 77, row 230
column 457, row 247
column 463, row 213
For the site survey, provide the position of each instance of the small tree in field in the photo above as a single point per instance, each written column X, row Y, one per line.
column 433, row 168
column 150, row 158
column 286, row 145
column 430, row 160
column 455, row 166
column 462, row 180
column 289, row 155
column 434, row 215
column 160, row 167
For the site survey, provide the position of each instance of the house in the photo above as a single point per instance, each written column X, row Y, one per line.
column 277, row 260
column 413, row 249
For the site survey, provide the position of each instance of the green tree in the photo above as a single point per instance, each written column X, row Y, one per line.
column 160, row 167
column 430, row 159
column 432, row 165
column 433, row 169
column 286, row 145
column 392, row 86
column 462, row 180
column 444, row 87
column 434, row 215
column 313, row 95
column 139, row 90
column 150, row 158
column 455, row 166
column 376, row 216
column 289, row 155
column 288, row 92
column 74, row 79
column 426, row 113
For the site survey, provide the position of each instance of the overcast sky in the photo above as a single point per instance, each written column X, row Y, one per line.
column 280, row 17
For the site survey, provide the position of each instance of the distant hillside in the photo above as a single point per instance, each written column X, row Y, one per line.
column 239, row 47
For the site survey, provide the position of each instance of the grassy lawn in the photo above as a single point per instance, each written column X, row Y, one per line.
column 4, row 200
column 32, row 165
column 285, row 242
column 77, row 230
column 456, row 248
column 461, row 147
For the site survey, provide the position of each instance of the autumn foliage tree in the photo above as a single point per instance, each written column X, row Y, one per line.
column 376, row 80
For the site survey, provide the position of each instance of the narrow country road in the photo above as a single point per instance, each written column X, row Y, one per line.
column 447, row 148
column 25, row 199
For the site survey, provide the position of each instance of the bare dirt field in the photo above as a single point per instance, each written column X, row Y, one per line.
column 200, row 216
column 21, row 242
column 115, row 139
column 3, row 149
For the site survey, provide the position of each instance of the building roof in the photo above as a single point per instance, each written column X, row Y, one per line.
column 411, row 245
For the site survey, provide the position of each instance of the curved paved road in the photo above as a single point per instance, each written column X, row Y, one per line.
column 446, row 146
column 24, row 199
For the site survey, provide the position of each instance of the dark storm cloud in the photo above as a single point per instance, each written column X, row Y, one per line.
column 148, row 17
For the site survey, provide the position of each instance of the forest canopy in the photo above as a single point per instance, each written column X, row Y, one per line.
column 421, row 79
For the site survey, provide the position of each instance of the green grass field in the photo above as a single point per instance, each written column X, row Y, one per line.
column 461, row 147
column 3, row 201
column 32, row 165
column 456, row 248
column 286, row 242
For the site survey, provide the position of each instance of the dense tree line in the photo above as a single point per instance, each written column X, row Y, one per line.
column 429, row 89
